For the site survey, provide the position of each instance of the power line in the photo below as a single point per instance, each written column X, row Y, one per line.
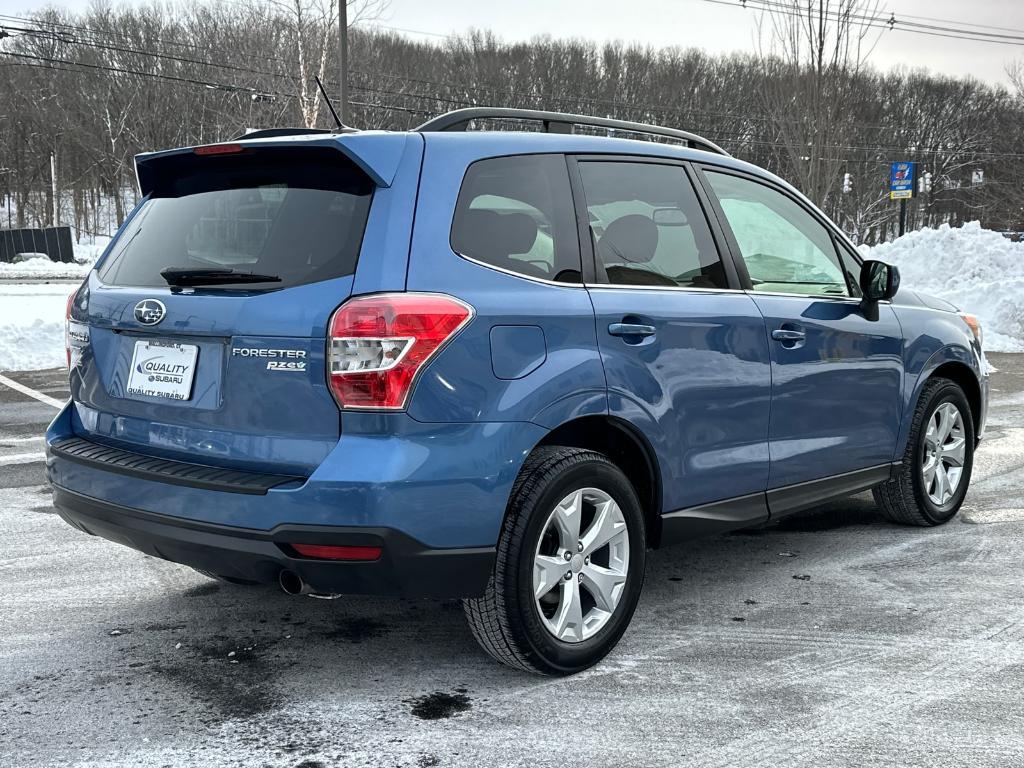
column 152, row 54
column 890, row 22
column 491, row 90
column 96, row 34
column 741, row 138
column 414, row 31
column 158, row 76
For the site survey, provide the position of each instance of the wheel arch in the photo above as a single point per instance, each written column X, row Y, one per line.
column 964, row 377
column 628, row 450
column 958, row 365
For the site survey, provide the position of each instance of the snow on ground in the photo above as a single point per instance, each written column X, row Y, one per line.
column 88, row 252
column 41, row 268
column 978, row 270
column 32, row 326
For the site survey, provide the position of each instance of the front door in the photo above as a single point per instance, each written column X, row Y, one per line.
column 836, row 368
column 684, row 350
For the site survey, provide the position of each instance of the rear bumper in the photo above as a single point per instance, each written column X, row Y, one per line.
column 443, row 485
column 406, row 567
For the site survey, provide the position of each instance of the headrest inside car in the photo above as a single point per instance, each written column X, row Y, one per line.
column 486, row 234
column 632, row 238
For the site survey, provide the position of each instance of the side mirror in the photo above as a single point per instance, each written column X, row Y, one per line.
column 878, row 280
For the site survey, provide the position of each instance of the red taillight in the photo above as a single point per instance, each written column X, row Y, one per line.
column 325, row 552
column 379, row 343
column 219, row 149
column 67, row 326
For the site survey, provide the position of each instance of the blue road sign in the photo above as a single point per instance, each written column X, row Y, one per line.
column 901, row 181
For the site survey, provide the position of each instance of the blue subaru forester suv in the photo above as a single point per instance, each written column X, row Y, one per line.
column 493, row 365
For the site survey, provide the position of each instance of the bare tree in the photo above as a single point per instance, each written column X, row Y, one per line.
column 96, row 87
column 812, row 51
column 1015, row 71
column 313, row 29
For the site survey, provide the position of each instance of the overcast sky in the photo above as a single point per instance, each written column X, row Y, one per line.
column 686, row 23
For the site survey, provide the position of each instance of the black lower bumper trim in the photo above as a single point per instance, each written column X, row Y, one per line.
column 139, row 465
column 407, row 567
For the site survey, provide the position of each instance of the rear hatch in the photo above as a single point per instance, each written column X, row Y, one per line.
column 207, row 317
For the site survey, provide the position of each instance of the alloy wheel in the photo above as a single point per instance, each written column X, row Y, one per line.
column 945, row 447
column 581, row 565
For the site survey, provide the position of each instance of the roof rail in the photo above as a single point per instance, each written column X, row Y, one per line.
column 560, row 122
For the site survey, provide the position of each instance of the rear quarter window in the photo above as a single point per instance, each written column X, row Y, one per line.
column 295, row 214
column 516, row 214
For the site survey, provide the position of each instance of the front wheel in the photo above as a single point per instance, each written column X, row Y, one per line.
column 569, row 565
column 936, row 470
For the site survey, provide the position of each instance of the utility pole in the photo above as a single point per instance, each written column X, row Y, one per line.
column 53, row 181
column 343, row 58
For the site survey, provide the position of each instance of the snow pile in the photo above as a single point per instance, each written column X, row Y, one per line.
column 39, row 266
column 978, row 270
column 32, row 326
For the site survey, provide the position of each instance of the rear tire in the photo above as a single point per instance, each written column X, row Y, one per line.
column 936, row 471
column 580, row 613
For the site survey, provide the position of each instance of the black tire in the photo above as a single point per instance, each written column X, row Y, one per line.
column 506, row 621
column 227, row 579
column 904, row 499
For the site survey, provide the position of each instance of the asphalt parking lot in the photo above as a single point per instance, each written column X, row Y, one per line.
column 901, row 647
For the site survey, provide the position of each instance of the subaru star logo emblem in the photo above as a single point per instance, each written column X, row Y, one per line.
column 150, row 311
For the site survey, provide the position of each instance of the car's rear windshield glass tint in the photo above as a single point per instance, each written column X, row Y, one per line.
column 295, row 214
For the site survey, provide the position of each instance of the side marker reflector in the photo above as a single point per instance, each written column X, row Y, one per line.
column 325, row 552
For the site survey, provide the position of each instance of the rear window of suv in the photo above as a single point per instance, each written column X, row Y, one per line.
column 295, row 214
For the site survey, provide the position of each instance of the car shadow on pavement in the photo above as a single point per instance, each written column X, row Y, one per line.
column 244, row 652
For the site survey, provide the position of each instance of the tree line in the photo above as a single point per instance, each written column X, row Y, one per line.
column 82, row 93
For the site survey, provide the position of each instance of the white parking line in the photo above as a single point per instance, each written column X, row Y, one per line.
column 15, row 440
column 22, row 458
column 51, row 401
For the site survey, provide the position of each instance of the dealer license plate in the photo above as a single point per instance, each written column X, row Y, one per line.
column 163, row 369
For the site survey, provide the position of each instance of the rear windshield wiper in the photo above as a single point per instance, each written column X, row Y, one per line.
column 186, row 277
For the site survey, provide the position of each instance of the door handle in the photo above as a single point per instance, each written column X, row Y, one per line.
column 788, row 334
column 631, row 329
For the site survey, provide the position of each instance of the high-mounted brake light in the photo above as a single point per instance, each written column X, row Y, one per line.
column 379, row 343
column 219, row 149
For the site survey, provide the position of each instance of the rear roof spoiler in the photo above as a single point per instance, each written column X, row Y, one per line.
column 377, row 153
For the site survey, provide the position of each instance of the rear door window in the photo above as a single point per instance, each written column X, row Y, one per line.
column 516, row 214
column 295, row 214
column 648, row 226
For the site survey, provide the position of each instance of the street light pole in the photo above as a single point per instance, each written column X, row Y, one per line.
column 343, row 58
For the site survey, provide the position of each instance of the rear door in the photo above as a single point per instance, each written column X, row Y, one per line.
column 836, row 369
column 684, row 350
column 226, row 369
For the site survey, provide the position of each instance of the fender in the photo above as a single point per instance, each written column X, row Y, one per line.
column 914, row 381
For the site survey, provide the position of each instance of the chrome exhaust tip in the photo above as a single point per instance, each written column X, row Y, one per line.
column 292, row 584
